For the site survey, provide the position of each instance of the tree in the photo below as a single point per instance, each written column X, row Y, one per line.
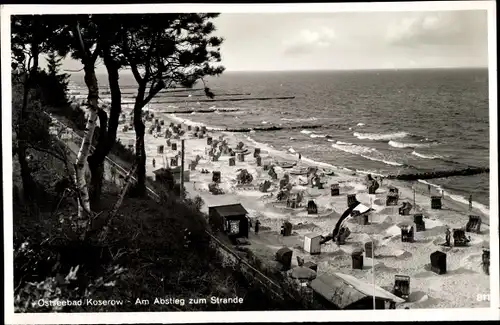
column 54, row 83
column 165, row 51
column 31, row 36
column 88, row 57
column 109, row 27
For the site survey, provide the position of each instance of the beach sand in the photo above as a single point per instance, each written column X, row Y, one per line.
column 459, row 287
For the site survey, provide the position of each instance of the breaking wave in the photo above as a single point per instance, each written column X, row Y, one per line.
column 421, row 155
column 380, row 136
column 365, row 152
column 317, row 135
column 300, row 119
column 397, row 144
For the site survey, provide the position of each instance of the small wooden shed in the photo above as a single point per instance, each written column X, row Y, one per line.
column 345, row 292
column 232, row 219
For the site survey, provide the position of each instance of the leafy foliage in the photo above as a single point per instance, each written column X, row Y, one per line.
column 53, row 82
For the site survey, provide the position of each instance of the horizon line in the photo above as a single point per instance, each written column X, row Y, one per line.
column 331, row 70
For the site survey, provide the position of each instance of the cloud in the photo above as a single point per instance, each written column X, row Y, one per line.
column 438, row 28
column 307, row 41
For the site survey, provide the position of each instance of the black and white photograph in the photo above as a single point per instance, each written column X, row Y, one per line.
column 285, row 158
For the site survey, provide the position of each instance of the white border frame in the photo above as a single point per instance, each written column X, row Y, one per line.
column 492, row 313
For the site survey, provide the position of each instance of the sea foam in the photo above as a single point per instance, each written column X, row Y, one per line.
column 380, row 136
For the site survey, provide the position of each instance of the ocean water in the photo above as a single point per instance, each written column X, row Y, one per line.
column 385, row 122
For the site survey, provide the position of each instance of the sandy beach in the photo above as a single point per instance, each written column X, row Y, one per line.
column 459, row 287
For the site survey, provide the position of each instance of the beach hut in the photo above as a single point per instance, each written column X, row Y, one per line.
column 357, row 259
column 373, row 186
column 436, row 202
column 351, row 200
column 407, row 233
column 486, row 261
column 361, row 213
column 474, row 224
column 369, row 249
column 418, row 219
column 232, row 219
column 232, row 161
column 284, row 256
column 401, row 287
column 286, row 228
column 335, row 189
column 258, row 160
column 216, row 176
column 405, row 209
column 438, row 262
column 313, row 266
column 312, row 243
column 159, row 149
column 291, row 203
column 392, row 197
column 459, row 238
column 345, row 292
column 312, row 208
column 256, row 152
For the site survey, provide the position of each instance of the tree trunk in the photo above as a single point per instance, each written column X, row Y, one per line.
column 108, row 128
column 29, row 185
column 91, row 82
column 26, row 177
column 140, row 151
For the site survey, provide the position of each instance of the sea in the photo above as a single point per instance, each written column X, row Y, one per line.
column 377, row 121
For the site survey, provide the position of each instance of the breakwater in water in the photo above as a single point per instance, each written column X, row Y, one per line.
column 221, row 100
column 210, row 110
column 440, row 174
column 273, row 128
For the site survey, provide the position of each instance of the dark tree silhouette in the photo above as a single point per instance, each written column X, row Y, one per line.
column 32, row 36
column 165, row 51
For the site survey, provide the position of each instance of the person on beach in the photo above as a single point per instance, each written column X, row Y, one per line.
column 154, row 163
column 448, row 236
column 300, row 156
column 257, row 226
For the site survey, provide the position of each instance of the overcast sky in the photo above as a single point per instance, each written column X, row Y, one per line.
column 368, row 40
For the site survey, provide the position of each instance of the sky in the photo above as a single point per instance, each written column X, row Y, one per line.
column 353, row 41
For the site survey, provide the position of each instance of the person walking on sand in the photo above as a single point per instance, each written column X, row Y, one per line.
column 257, row 226
column 448, row 236
column 300, row 156
column 154, row 163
